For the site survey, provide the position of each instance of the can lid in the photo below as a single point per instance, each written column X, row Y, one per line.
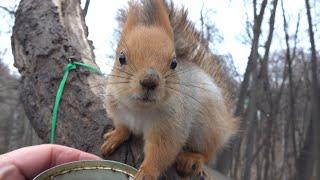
column 83, row 170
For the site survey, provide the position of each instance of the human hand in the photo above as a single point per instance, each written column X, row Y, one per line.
column 26, row 163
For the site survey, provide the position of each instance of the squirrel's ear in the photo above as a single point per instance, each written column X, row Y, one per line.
column 152, row 12
column 131, row 21
column 162, row 17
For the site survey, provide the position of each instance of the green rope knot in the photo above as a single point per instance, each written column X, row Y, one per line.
column 71, row 66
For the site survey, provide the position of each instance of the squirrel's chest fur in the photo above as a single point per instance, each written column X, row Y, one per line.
column 140, row 120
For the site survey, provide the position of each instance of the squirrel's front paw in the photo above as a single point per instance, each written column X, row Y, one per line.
column 190, row 164
column 112, row 140
column 142, row 175
column 200, row 176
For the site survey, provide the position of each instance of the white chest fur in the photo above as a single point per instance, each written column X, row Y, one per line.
column 139, row 121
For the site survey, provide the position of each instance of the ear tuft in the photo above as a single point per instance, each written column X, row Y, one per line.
column 148, row 12
column 161, row 16
column 131, row 17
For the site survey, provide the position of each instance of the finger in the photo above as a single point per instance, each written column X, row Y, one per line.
column 30, row 161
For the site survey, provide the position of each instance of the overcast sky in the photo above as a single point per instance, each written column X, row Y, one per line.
column 229, row 17
column 100, row 20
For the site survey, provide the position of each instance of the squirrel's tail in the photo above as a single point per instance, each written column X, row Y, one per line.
column 191, row 46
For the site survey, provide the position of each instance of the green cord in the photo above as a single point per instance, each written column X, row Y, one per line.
column 71, row 66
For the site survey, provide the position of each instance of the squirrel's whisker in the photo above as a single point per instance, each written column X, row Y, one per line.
column 177, row 72
column 122, row 82
column 189, row 84
column 121, row 70
column 97, row 85
column 186, row 95
column 122, row 77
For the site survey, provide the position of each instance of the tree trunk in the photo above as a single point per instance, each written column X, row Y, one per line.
column 305, row 161
column 251, row 65
column 45, row 35
column 315, row 116
column 291, row 117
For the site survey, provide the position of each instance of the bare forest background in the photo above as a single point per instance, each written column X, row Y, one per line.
column 277, row 97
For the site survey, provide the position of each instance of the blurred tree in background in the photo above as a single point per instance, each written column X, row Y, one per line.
column 15, row 128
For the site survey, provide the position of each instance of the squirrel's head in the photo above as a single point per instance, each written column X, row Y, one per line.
column 145, row 58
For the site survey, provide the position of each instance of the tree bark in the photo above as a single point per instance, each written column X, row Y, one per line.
column 305, row 161
column 45, row 35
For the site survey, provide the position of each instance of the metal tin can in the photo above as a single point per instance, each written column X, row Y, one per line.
column 93, row 170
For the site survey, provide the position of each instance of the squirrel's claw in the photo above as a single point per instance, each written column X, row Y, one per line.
column 142, row 175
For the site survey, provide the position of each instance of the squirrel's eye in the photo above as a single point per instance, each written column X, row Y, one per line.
column 122, row 58
column 173, row 64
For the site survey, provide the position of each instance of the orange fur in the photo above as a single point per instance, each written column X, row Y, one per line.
column 185, row 117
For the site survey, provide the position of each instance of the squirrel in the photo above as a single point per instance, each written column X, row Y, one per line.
column 166, row 86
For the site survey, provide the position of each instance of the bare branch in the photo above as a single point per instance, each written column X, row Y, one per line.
column 86, row 7
column 296, row 36
column 9, row 11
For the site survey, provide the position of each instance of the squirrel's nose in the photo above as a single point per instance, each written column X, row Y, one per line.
column 151, row 80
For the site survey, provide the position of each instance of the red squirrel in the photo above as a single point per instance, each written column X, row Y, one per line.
column 166, row 86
